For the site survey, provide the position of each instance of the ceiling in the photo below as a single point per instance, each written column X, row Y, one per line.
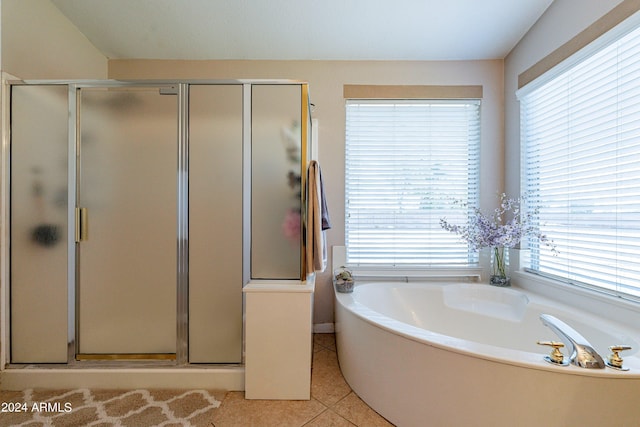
column 304, row 29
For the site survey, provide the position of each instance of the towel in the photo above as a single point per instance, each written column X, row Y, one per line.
column 324, row 212
column 316, row 249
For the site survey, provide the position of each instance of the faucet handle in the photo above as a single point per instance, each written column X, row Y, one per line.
column 615, row 361
column 556, row 357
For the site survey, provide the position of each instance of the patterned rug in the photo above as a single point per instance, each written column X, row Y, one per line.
column 83, row 407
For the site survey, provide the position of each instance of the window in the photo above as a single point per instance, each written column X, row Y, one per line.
column 580, row 134
column 406, row 161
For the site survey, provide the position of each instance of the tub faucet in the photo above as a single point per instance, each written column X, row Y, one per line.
column 581, row 352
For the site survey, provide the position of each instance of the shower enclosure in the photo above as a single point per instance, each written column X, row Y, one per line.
column 135, row 212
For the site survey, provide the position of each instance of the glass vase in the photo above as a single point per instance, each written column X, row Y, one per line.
column 499, row 268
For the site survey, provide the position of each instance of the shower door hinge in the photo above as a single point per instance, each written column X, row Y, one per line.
column 82, row 225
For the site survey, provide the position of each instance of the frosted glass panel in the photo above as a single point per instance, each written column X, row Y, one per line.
column 128, row 175
column 215, row 224
column 39, row 129
column 275, row 181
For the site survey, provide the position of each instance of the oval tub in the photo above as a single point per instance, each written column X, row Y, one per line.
column 426, row 354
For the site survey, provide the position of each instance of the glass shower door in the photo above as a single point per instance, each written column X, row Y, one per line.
column 215, row 223
column 38, row 226
column 126, row 224
column 276, row 150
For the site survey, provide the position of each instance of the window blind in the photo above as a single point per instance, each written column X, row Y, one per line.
column 581, row 151
column 406, row 162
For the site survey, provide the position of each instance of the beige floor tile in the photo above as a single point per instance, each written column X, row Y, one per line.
column 327, row 382
column 356, row 411
column 326, row 341
column 329, row 419
column 236, row 411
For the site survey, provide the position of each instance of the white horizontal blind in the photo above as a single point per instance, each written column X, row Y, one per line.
column 581, row 147
column 406, row 161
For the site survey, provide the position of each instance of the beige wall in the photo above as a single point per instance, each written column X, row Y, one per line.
column 562, row 23
column 38, row 42
column 326, row 80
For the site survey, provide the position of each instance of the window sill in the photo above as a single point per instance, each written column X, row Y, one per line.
column 406, row 273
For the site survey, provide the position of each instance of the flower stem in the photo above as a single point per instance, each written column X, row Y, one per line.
column 499, row 264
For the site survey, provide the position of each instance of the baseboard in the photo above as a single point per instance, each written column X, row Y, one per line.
column 323, row 328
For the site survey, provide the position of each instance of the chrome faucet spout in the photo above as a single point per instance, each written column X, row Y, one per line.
column 581, row 352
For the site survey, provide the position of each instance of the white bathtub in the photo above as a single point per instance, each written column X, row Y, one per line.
column 424, row 354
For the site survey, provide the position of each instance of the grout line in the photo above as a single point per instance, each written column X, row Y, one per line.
column 312, row 419
column 328, row 410
column 343, row 398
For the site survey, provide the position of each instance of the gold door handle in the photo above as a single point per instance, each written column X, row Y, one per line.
column 82, row 225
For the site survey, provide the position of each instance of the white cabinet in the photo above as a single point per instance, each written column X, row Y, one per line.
column 278, row 339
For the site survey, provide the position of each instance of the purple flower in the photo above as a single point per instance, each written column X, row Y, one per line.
column 505, row 227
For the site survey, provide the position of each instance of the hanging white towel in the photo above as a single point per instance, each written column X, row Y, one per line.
column 316, row 250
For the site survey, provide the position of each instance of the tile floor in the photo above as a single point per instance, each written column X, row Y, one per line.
column 332, row 404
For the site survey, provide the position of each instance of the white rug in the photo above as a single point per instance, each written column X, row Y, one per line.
column 83, row 407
